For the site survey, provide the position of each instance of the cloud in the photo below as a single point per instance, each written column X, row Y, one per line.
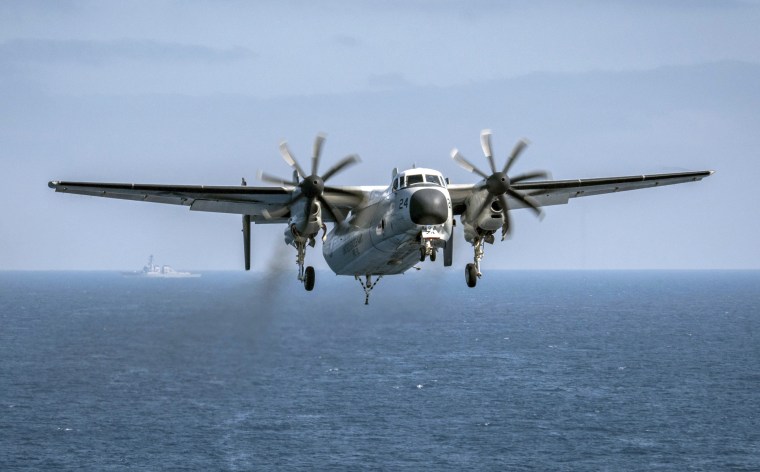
column 102, row 52
column 346, row 40
column 387, row 81
column 476, row 9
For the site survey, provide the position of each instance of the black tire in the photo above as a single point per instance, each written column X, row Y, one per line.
column 471, row 275
column 308, row 282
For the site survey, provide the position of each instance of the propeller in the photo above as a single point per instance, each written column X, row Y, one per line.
column 312, row 186
column 498, row 184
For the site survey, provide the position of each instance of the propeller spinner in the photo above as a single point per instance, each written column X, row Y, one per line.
column 312, row 186
column 498, row 184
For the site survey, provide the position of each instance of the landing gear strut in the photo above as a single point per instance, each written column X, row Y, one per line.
column 305, row 274
column 368, row 285
column 472, row 270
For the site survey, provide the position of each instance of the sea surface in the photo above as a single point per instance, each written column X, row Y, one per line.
column 614, row 371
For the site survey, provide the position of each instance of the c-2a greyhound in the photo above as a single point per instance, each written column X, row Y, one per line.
column 382, row 230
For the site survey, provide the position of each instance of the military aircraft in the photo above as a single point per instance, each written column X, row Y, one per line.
column 387, row 229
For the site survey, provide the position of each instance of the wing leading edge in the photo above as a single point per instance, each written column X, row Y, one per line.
column 253, row 201
column 558, row 192
column 259, row 201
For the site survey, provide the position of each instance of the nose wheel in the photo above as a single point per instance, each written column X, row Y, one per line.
column 428, row 250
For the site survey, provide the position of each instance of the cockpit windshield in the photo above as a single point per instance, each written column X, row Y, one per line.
column 433, row 179
column 404, row 181
column 413, row 180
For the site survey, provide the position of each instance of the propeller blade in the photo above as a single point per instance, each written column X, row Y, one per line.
column 353, row 197
column 521, row 144
column 295, row 199
column 309, row 204
column 318, row 142
column 485, row 143
column 273, row 179
column 283, row 210
column 507, row 225
column 337, row 191
column 531, row 202
column 481, row 186
column 538, row 174
column 465, row 164
column 342, row 164
column 276, row 213
column 337, row 216
column 286, row 154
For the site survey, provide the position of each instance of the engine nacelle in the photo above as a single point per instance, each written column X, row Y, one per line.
column 301, row 227
column 489, row 220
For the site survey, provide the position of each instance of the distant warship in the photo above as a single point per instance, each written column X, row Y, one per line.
column 156, row 271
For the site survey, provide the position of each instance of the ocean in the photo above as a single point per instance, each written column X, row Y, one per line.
column 545, row 370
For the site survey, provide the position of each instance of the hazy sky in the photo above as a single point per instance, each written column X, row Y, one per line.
column 201, row 92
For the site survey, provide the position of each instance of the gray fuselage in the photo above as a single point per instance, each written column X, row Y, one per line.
column 385, row 236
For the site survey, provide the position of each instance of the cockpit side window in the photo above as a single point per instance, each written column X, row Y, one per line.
column 413, row 179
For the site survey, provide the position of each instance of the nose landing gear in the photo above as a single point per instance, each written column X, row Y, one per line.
column 428, row 250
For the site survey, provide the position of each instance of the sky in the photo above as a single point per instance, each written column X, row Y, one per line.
column 202, row 92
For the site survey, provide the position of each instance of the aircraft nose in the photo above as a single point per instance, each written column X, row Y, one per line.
column 428, row 206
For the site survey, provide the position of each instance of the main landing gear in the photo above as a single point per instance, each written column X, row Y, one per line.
column 472, row 270
column 305, row 274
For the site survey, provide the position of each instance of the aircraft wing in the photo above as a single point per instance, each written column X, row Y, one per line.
column 558, row 192
column 257, row 202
